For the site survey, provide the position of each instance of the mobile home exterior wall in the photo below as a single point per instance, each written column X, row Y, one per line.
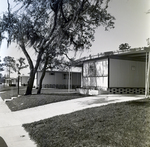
column 126, row 73
column 58, row 79
column 126, row 76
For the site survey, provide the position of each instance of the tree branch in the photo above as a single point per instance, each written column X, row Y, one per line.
column 22, row 46
column 62, row 12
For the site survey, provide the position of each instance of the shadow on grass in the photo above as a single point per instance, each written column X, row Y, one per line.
column 2, row 142
column 96, row 101
column 116, row 125
column 142, row 102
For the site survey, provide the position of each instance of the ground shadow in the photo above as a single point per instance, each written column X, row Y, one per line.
column 2, row 142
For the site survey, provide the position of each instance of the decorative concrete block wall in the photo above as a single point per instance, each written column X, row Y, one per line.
column 126, row 90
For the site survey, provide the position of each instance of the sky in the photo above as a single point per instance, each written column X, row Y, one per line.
column 132, row 26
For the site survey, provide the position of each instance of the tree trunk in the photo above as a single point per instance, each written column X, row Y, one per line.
column 33, row 69
column 30, row 83
column 40, row 82
column 42, row 76
column 32, row 75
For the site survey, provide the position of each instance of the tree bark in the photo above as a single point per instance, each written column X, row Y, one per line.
column 42, row 76
column 30, row 83
column 33, row 69
column 32, row 75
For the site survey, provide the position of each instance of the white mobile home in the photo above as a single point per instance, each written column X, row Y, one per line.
column 59, row 79
column 115, row 72
column 11, row 81
column 24, row 80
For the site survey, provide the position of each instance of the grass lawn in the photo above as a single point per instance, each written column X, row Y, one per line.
column 116, row 125
column 6, row 88
column 46, row 97
column 11, row 92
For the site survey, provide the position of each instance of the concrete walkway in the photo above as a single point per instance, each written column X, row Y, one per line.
column 11, row 122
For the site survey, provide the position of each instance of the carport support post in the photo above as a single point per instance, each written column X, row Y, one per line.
column 147, row 72
column 69, row 81
column 18, row 81
column 18, row 84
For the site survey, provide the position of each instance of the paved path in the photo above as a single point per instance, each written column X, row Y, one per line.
column 11, row 129
column 11, row 122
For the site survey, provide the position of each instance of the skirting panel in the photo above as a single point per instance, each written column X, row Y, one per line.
column 59, row 86
column 126, row 90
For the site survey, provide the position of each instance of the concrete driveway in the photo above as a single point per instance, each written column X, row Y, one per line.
column 11, row 122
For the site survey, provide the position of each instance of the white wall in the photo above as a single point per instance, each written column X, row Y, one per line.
column 125, row 73
column 58, row 78
column 24, row 79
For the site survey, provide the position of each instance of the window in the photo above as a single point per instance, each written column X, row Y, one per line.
column 91, row 69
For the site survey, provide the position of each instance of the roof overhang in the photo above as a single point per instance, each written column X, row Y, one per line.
column 137, row 54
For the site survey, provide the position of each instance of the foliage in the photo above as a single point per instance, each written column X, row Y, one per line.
column 21, row 64
column 12, row 65
column 9, row 63
column 124, row 46
column 56, row 63
column 1, row 66
column 75, row 20
column 42, row 24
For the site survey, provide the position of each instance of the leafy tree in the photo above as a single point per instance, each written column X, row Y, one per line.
column 14, row 66
column 1, row 66
column 124, row 46
column 9, row 63
column 21, row 64
column 41, row 24
column 53, row 60
column 48, row 57
column 1, row 69
column 49, row 63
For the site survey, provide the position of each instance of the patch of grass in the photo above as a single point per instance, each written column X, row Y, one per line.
column 9, row 92
column 47, row 96
column 6, row 88
column 29, row 101
column 12, row 92
column 116, row 125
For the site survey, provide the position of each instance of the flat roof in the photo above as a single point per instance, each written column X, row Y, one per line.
column 136, row 54
column 62, row 71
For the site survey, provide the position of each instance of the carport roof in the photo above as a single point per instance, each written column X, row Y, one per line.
column 135, row 54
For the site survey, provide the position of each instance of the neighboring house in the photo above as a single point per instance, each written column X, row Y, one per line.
column 59, row 79
column 115, row 72
column 14, row 81
column 11, row 81
column 24, row 80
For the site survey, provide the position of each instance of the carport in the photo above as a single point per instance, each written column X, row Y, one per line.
column 126, row 71
column 139, row 54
